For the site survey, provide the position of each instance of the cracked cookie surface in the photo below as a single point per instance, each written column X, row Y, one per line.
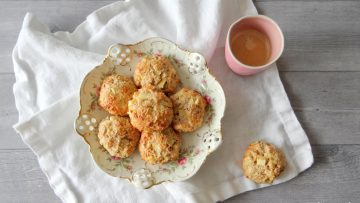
column 118, row 136
column 159, row 147
column 116, row 91
column 263, row 162
column 189, row 110
column 157, row 71
column 150, row 109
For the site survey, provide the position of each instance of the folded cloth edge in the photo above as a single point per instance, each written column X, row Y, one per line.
column 302, row 159
column 37, row 146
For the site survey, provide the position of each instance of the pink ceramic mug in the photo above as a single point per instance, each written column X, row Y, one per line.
column 264, row 25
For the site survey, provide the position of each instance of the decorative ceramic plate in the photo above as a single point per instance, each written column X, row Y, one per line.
column 193, row 72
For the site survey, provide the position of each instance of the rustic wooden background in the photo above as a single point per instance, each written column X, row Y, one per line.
column 320, row 70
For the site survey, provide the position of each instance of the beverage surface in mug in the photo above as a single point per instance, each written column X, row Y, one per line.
column 251, row 47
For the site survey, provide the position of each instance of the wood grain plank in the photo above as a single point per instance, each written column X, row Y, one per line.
column 8, row 115
column 61, row 0
column 325, row 33
column 335, row 176
column 21, row 178
column 58, row 15
column 7, row 101
column 327, row 104
column 330, row 127
column 319, row 35
column 9, row 138
column 323, row 90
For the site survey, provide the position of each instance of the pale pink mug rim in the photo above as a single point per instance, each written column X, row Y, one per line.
column 270, row 62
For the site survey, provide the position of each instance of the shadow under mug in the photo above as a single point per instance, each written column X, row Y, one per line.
column 264, row 25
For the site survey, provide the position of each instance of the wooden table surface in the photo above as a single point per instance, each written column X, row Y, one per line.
column 320, row 69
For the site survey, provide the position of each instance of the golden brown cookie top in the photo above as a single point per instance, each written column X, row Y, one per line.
column 116, row 90
column 150, row 109
column 118, row 136
column 157, row 71
column 189, row 110
column 159, row 147
column 263, row 162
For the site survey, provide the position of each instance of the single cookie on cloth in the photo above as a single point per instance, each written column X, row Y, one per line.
column 159, row 147
column 189, row 110
column 263, row 162
column 157, row 71
column 116, row 91
column 150, row 109
column 118, row 136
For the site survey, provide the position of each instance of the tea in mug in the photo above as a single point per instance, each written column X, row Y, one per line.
column 251, row 47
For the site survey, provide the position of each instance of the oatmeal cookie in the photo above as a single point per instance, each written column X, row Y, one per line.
column 118, row 136
column 157, row 71
column 189, row 110
column 115, row 92
column 150, row 109
column 263, row 162
column 159, row 147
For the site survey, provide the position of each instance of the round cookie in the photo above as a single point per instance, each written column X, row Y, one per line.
column 118, row 136
column 150, row 109
column 115, row 92
column 156, row 71
column 189, row 110
column 262, row 162
column 159, row 147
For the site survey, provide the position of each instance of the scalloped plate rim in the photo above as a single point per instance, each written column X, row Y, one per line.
column 134, row 44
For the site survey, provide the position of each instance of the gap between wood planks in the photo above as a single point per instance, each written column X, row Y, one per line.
column 334, row 176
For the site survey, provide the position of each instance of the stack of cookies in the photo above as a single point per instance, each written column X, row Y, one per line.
column 149, row 112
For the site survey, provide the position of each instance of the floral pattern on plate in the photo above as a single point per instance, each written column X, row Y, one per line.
column 193, row 73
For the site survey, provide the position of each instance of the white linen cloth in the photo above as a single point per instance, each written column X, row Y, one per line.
column 49, row 68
